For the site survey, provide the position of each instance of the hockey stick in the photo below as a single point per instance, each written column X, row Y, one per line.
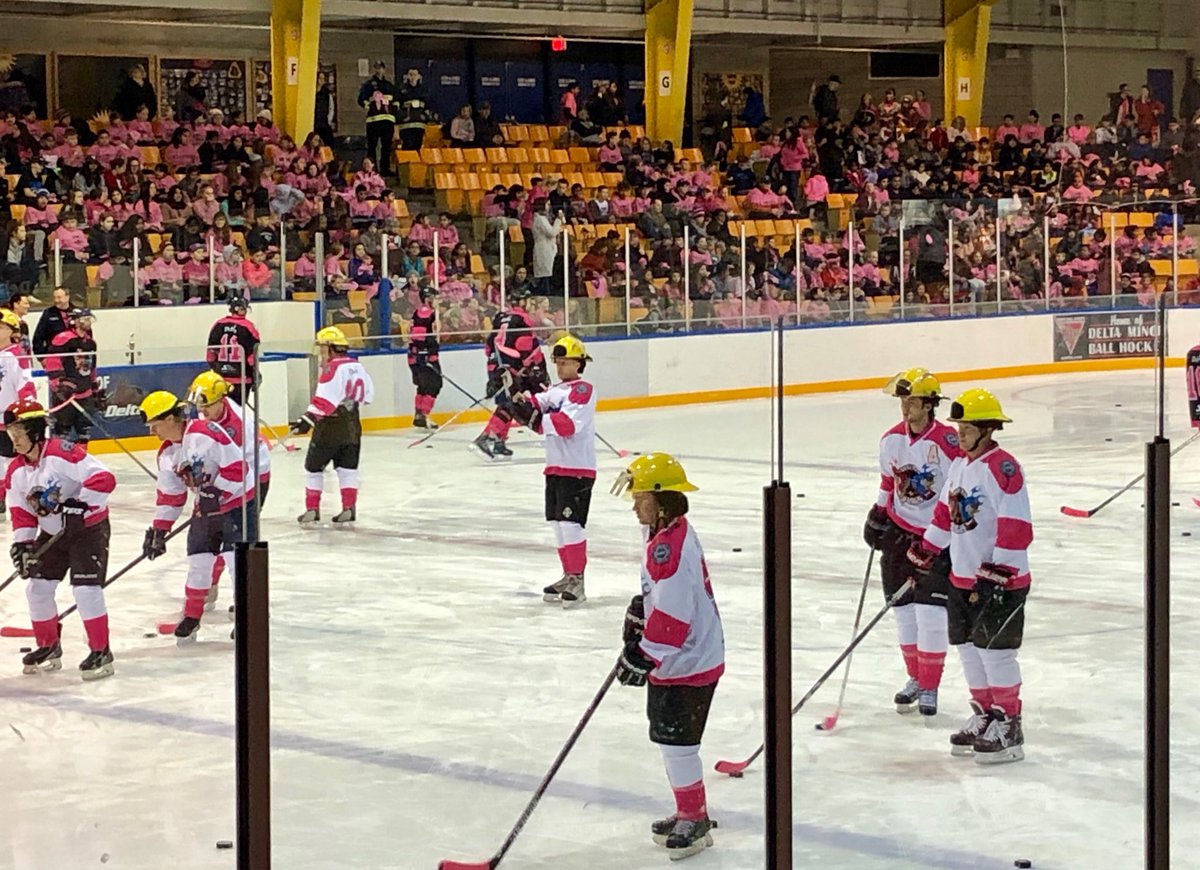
column 830, row 722
column 737, row 768
column 442, row 428
column 604, row 441
column 507, row 379
column 40, row 550
column 1081, row 513
column 82, row 410
column 495, row 860
column 13, row 631
column 272, row 438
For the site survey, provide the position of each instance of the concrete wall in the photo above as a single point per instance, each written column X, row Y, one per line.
column 21, row 34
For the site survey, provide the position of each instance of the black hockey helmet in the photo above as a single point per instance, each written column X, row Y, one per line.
column 518, row 294
column 428, row 293
column 238, row 304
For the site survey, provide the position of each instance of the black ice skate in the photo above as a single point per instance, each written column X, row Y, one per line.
column 906, row 698
column 485, row 444
column 43, row 659
column 98, row 665
column 689, row 837
column 552, row 594
column 662, row 829
column 927, row 702
column 962, row 742
column 345, row 518
column 186, row 631
column 420, row 421
column 309, row 517
column 572, row 593
column 1002, row 742
column 500, row 448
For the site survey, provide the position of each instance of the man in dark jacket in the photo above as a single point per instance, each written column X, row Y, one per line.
column 825, row 100
column 487, row 128
column 135, row 91
column 52, row 322
column 324, row 110
column 377, row 96
column 414, row 112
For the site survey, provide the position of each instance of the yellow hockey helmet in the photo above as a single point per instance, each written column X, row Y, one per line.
column 160, row 404
column 569, row 347
column 654, row 472
column 207, row 389
column 332, row 336
column 977, row 406
column 9, row 318
column 914, row 382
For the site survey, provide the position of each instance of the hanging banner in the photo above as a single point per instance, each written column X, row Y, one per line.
column 1104, row 335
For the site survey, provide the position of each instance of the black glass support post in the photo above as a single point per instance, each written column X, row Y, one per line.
column 777, row 646
column 1158, row 654
column 252, row 708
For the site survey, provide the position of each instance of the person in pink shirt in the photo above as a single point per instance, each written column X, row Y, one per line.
column 447, row 232
column 140, row 128
column 369, row 178
column 1078, row 132
column 333, row 261
column 181, row 152
column 206, row 207
column 610, row 156
column 265, row 129
column 762, row 202
column 304, row 274
column 793, row 155
column 118, row 207
column 281, row 152
column 165, row 124
column 228, row 271
column 361, row 208
column 147, row 206
column 314, row 182
column 623, row 204
column 164, row 272
column 194, row 271
column 569, row 102
column 421, row 232
column 816, row 189
column 1078, row 191
column 1032, row 130
column 72, row 241
column 311, row 149
column 69, row 153
column 256, row 273
column 105, row 150
column 1147, row 171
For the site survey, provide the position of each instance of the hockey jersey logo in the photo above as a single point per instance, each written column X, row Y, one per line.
column 916, row 485
column 963, row 508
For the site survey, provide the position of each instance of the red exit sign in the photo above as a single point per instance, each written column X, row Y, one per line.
column 558, row 43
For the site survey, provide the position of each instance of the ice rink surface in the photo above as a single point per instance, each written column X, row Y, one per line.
column 421, row 687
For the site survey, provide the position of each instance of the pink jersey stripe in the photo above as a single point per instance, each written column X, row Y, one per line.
column 1013, row 534
column 563, row 471
column 704, row 678
column 665, row 629
column 101, row 481
column 563, row 425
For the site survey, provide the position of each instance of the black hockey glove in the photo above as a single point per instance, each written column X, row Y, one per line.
column 155, row 543
column 495, row 382
column 100, row 397
column 73, row 511
column 208, row 500
column 303, row 425
column 998, row 575
column 525, row 410
column 24, row 558
column 633, row 666
column 876, row 527
column 635, row 621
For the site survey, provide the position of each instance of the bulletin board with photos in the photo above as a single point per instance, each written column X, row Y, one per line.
column 224, row 81
column 262, row 85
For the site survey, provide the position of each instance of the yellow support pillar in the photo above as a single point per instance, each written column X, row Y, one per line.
column 295, row 52
column 668, row 44
column 967, row 24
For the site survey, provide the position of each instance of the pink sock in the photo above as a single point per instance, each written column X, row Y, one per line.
column 983, row 697
column 45, row 632
column 97, row 632
column 909, row 651
column 312, row 499
column 193, row 602
column 349, row 497
column 690, row 801
column 497, row 426
column 573, row 557
column 929, row 669
column 1008, row 698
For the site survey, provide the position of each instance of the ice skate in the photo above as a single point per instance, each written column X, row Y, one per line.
column 485, row 444
column 962, row 743
column 420, row 421
column 661, row 830
column 309, row 517
column 43, row 659
column 98, row 665
column 186, row 631
column 345, row 518
column 1002, row 742
column 552, row 594
column 927, row 702
column 689, row 837
column 210, row 600
column 500, row 448
column 572, row 593
column 906, row 698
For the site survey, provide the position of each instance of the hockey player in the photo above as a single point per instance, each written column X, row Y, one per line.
column 332, row 417
column 983, row 518
column 566, row 415
column 16, row 379
column 515, row 365
column 1193, row 385
column 914, row 456
column 673, row 639
column 423, row 359
column 211, row 394
column 58, row 497
column 233, row 349
column 196, row 455
column 75, row 390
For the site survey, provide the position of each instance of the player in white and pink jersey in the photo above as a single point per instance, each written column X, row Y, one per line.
column 983, row 518
column 59, row 506
column 16, row 379
column 914, row 456
column 675, row 641
column 332, row 416
column 197, row 456
column 566, row 415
